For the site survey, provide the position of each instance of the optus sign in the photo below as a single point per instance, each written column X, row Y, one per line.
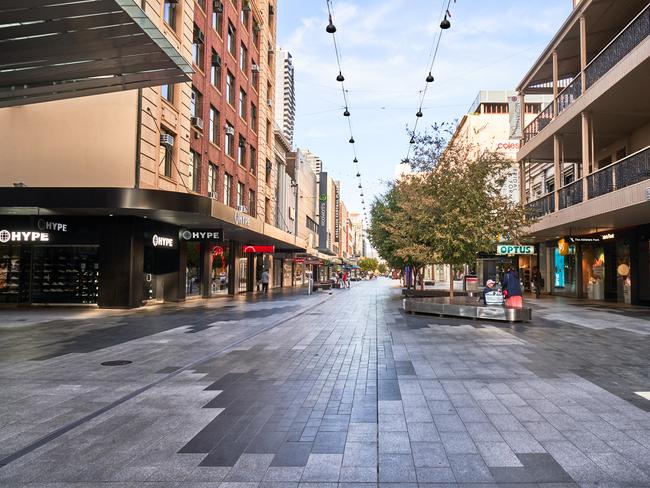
column 503, row 249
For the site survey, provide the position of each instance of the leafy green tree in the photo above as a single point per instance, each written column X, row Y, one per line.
column 453, row 207
column 382, row 268
column 368, row 265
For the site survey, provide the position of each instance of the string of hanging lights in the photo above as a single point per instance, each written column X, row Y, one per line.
column 445, row 24
column 331, row 29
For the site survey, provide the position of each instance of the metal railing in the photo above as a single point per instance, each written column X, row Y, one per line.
column 570, row 194
column 629, row 38
column 542, row 206
column 632, row 169
column 600, row 182
column 541, row 121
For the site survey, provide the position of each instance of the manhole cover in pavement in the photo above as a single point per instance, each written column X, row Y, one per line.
column 119, row 362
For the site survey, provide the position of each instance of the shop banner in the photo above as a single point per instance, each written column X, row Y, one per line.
column 514, row 107
column 322, row 211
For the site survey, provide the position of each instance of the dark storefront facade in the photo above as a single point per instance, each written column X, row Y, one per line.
column 111, row 259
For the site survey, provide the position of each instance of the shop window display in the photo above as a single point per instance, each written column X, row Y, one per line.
column 220, row 271
column 287, row 273
column 193, row 270
column 564, row 271
column 623, row 280
column 242, row 286
column 14, row 274
column 593, row 269
column 298, row 274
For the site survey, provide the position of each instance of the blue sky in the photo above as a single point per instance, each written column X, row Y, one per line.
column 384, row 46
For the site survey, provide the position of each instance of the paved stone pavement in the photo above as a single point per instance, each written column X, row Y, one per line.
column 322, row 391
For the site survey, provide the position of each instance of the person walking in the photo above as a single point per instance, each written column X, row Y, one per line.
column 538, row 282
column 345, row 279
column 265, row 281
column 512, row 288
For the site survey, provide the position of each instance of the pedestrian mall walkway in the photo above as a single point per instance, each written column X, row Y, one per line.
column 333, row 390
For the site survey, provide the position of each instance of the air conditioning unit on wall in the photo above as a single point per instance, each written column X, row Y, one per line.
column 230, row 130
column 166, row 140
column 197, row 123
column 255, row 68
column 242, row 208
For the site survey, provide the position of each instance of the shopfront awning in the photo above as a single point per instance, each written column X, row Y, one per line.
column 55, row 49
column 181, row 209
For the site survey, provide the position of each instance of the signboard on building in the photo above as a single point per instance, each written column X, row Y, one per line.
column 23, row 236
column 214, row 235
column 504, row 249
column 337, row 214
column 322, row 210
column 248, row 249
column 514, row 109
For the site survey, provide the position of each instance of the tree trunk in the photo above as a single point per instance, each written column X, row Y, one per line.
column 451, row 281
column 422, row 278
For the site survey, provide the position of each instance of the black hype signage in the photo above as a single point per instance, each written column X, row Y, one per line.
column 337, row 214
column 214, row 235
column 322, row 211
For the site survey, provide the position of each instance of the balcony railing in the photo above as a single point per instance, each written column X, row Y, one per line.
column 629, row 38
column 633, row 169
column 600, row 182
column 571, row 194
column 542, row 206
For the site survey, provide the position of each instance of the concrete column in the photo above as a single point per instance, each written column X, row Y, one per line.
column 586, row 152
column 205, row 269
column 583, row 52
column 557, row 166
column 555, row 83
column 522, row 116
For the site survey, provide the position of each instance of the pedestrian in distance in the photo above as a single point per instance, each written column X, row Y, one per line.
column 345, row 279
column 265, row 280
column 512, row 289
column 538, row 282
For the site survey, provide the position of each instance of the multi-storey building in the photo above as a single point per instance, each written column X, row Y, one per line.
column 124, row 193
column 314, row 161
column 267, row 168
column 285, row 100
column 585, row 159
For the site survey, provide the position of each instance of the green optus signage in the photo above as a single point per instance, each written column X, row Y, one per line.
column 513, row 249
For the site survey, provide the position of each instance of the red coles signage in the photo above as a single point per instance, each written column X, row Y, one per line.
column 259, row 249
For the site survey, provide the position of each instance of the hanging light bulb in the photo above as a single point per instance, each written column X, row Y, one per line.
column 346, row 113
column 412, row 141
column 419, row 114
column 331, row 28
column 340, row 77
column 430, row 78
column 445, row 24
column 358, row 175
column 359, row 185
column 361, row 193
column 355, row 160
column 351, row 140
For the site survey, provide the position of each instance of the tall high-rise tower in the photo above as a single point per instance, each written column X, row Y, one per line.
column 285, row 101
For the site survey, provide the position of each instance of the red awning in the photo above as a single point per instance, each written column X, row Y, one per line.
column 259, row 249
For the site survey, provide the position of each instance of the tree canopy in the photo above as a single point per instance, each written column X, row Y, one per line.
column 452, row 207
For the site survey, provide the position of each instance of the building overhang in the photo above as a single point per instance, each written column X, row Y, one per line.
column 181, row 209
column 56, row 49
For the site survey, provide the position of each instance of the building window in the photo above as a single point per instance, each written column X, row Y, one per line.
column 215, row 70
column 256, row 34
column 269, row 131
column 269, row 54
column 232, row 33
column 167, row 140
column 241, row 151
column 194, row 170
column 243, row 102
column 252, row 203
column 267, row 210
column 495, row 108
column 269, row 170
column 201, row 3
column 227, row 189
column 167, row 92
column 169, row 13
column 217, row 17
column 244, row 15
column 198, row 50
column 240, row 195
column 230, row 140
column 230, row 88
column 252, row 152
column 255, row 74
column 214, row 125
column 212, row 180
column 311, row 224
column 243, row 58
column 195, row 103
column 533, row 108
column 253, row 117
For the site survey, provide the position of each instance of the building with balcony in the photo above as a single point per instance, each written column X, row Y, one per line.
column 285, row 100
column 585, row 159
column 140, row 196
